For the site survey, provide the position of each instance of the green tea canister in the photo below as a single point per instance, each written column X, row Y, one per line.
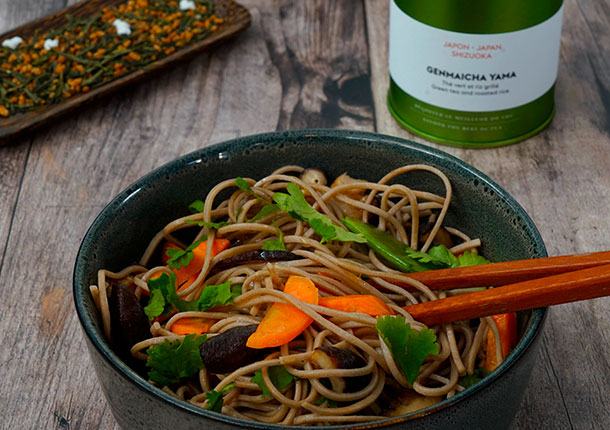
column 474, row 73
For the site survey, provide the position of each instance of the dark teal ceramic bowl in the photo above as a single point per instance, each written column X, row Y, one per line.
column 121, row 232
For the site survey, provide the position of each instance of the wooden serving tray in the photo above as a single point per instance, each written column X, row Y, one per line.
column 236, row 19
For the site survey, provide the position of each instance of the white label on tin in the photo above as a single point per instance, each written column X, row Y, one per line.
column 473, row 72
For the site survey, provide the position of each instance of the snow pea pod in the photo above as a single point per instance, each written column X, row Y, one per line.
column 397, row 254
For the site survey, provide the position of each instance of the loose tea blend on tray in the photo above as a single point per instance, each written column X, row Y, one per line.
column 88, row 52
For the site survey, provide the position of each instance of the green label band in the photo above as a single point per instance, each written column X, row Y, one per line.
column 471, row 129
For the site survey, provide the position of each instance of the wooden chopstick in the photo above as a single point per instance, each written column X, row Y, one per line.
column 535, row 293
column 509, row 272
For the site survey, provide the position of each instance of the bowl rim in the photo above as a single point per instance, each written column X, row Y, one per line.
column 80, row 289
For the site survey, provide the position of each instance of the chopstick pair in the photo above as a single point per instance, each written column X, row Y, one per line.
column 520, row 285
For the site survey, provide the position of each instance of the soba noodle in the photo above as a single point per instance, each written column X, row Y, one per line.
column 337, row 268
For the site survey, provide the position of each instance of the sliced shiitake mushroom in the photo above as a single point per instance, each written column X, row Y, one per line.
column 313, row 176
column 128, row 322
column 255, row 256
column 443, row 237
column 355, row 194
column 330, row 357
column 407, row 401
column 228, row 352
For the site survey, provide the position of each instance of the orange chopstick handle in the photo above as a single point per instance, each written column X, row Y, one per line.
column 536, row 293
column 509, row 272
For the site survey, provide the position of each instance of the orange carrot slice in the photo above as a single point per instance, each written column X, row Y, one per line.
column 181, row 283
column 191, row 326
column 507, row 326
column 185, row 276
column 283, row 322
column 199, row 252
column 365, row 303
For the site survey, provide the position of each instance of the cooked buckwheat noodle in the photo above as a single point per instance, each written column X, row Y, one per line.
column 338, row 268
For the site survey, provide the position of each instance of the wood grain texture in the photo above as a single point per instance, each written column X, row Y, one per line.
column 12, row 165
column 300, row 64
column 561, row 178
column 76, row 166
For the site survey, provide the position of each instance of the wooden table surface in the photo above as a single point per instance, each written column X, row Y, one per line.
column 301, row 64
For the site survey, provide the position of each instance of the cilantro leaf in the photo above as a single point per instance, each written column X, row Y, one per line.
column 181, row 258
column 156, row 305
column 211, row 296
column 275, row 245
column 178, row 258
column 170, row 362
column 215, row 398
column 423, row 257
column 211, row 224
column 297, row 207
column 406, row 259
column 295, row 204
column 258, row 379
column 442, row 254
column 468, row 381
column 469, row 258
column 217, row 295
column 245, row 187
column 268, row 209
column 409, row 347
column 279, row 376
column 242, row 184
column 164, row 287
column 236, row 290
column 196, row 206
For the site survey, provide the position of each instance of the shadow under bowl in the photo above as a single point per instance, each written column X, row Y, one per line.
column 479, row 207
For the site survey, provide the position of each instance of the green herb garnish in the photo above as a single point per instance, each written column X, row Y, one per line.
column 275, row 245
column 164, row 298
column 156, row 304
column 211, row 224
column 409, row 347
column 196, row 206
column 245, row 187
column 404, row 258
column 267, row 209
column 468, row 258
column 394, row 252
column 181, row 258
column 215, row 398
column 170, row 362
column 468, row 381
column 297, row 207
column 279, row 377
column 258, row 379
